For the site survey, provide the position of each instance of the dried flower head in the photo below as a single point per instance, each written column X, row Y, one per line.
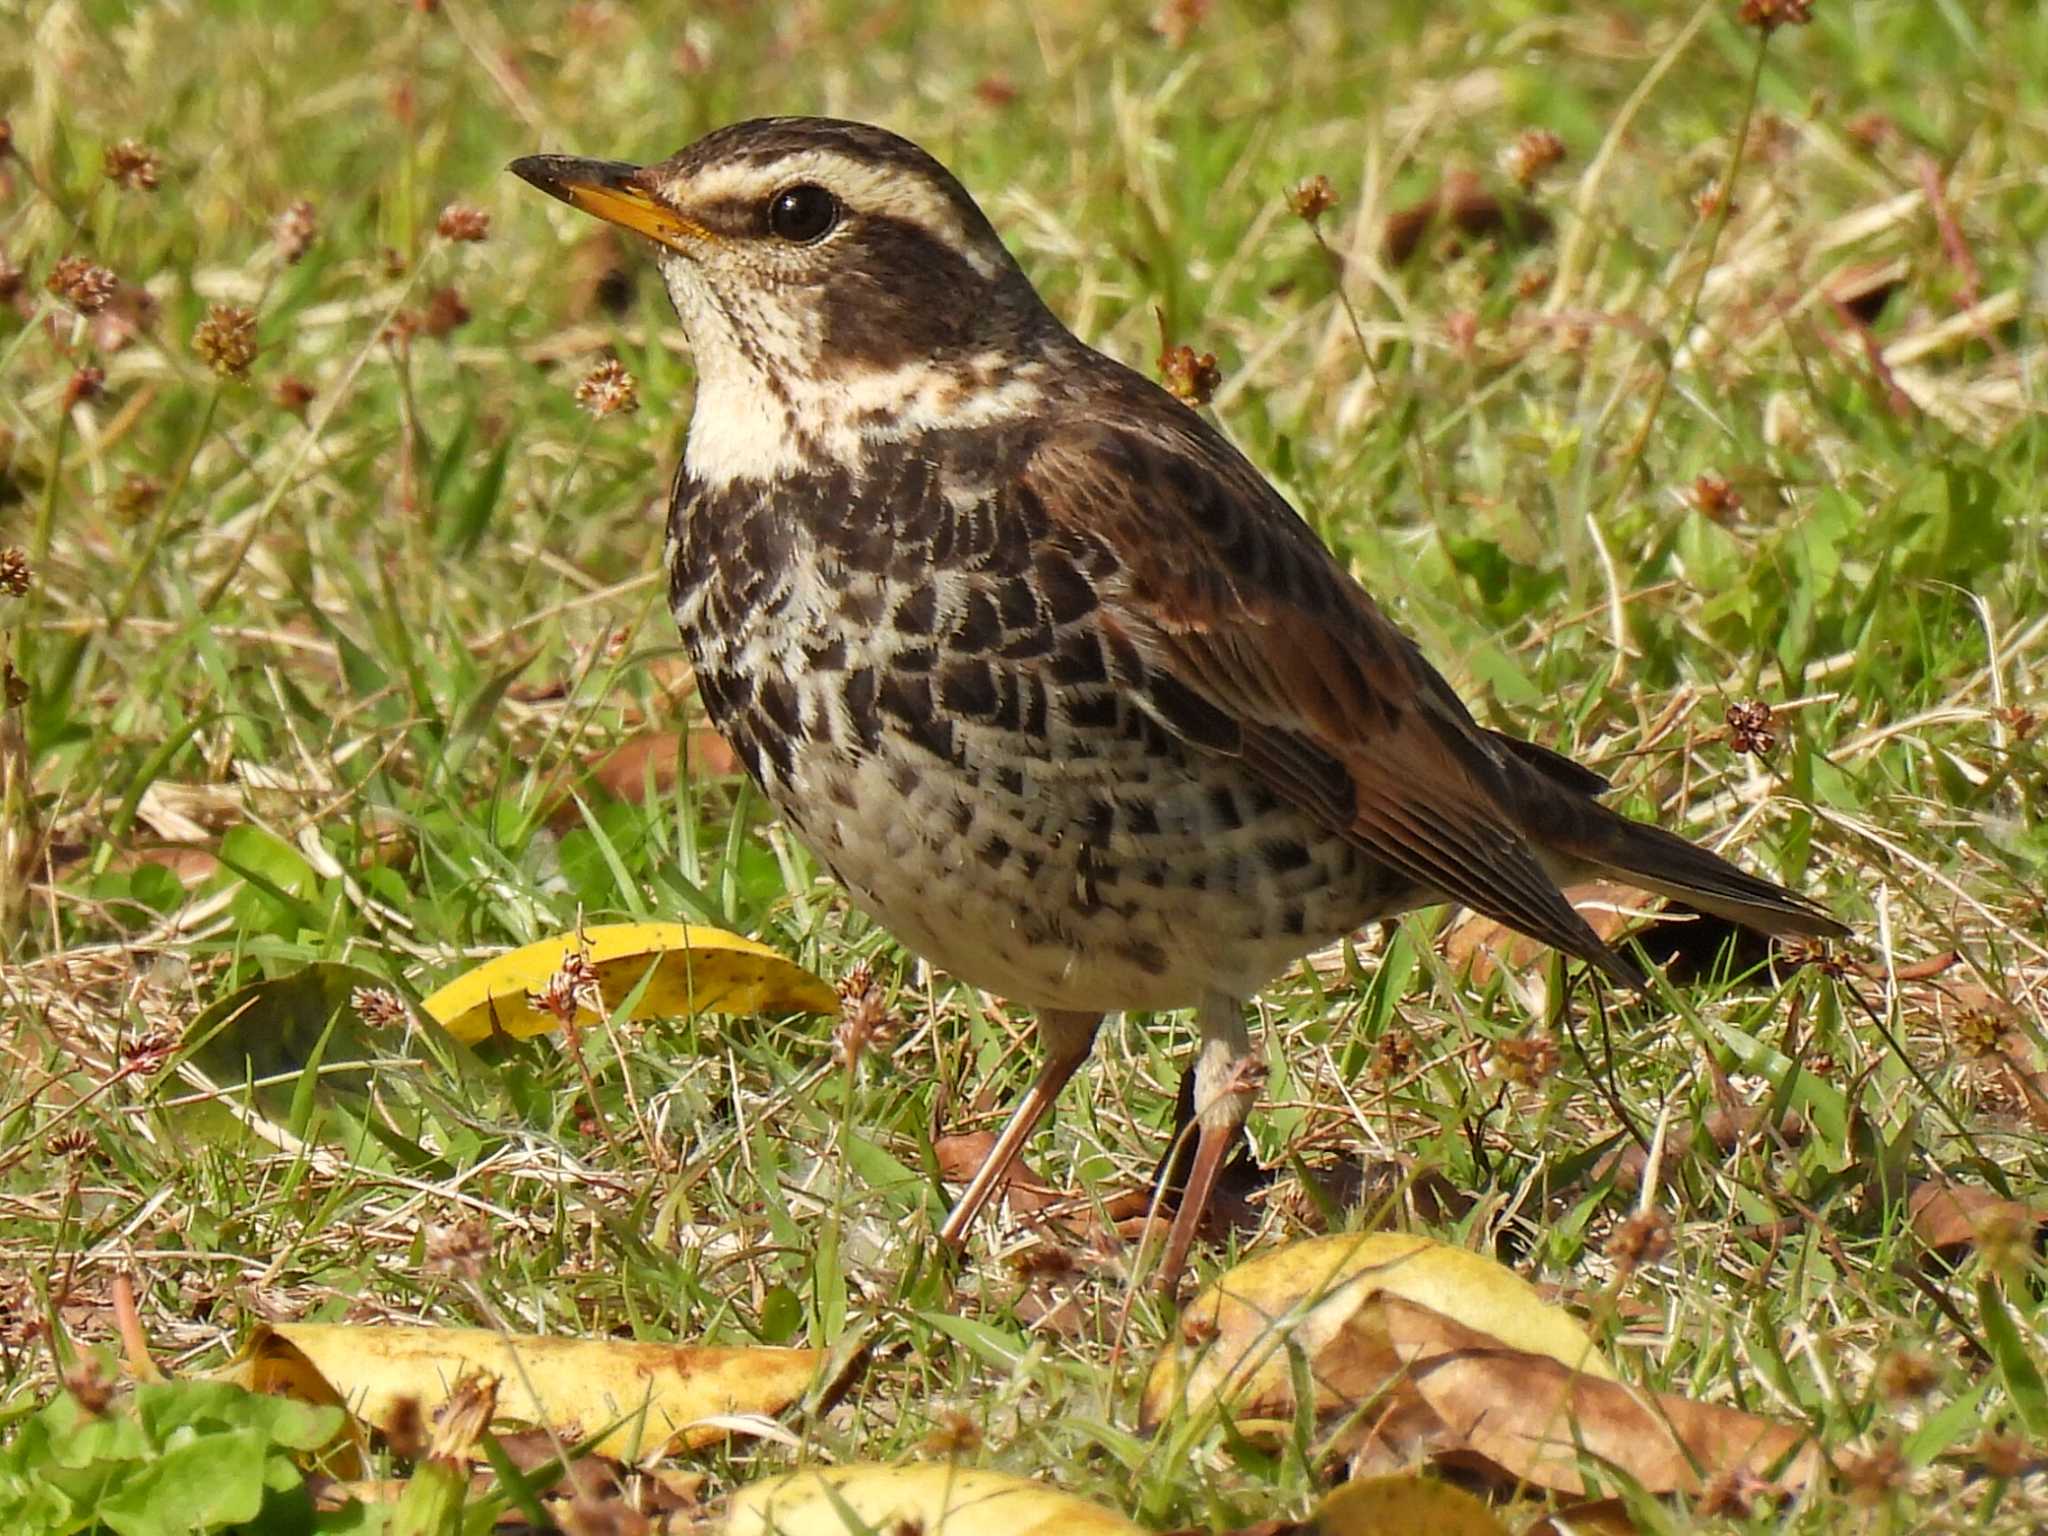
column 954, row 1435
column 1188, row 375
column 12, row 279
column 2020, row 720
column 461, row 222
column 292, row 393
column 1533, row 152
column 1310, row 199
column 226, row 340
column 13, row 686
column 89, row 1385
column 87, row 383
column 1979, row 1034
column 996, row 91
column 1873, row 1477
column 458, row 1248
column 1176, row 20
column 574, row 985
column 1525, row 1062
column 1395, row 1056
column 1642, row 1239
column 1905, row 1374
column 149, row 1053
column 15, row 571
column 1712, row 496
column 378, row 1007
column 136, row 494
column 1769, row 15
column 445, row 312
column 608, row 389
column 1533, row 280
column 74, row 1145
column 82, row 283
column 132, row 164
column 1750, row 727
column 864, row 1018
column 2003, row 1456
column 294, row 231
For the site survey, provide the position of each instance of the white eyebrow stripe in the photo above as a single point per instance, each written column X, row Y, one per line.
column 889, row 191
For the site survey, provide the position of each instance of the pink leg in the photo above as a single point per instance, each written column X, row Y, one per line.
column 1067, row 1039
column 1224, row 1086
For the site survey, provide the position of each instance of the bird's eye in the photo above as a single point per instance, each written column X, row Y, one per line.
column 802, row 213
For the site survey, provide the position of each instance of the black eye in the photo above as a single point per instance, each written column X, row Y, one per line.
column 803, row 213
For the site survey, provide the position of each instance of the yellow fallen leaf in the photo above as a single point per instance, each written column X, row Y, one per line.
column 1318, row 1295
column 576, row 1387
column 1403, row 1506
column 932, row 1498
column 696, row 970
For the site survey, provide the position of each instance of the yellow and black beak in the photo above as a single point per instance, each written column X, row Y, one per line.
column 613, row 191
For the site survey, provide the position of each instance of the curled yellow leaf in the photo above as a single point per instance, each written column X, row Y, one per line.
column 694, row 969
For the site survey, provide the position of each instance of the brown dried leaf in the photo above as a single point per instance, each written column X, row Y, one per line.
column 1536, row 1420
column 1322, row 1298
column 1484, row 945
column 960, row 1158
column 1951, row 1218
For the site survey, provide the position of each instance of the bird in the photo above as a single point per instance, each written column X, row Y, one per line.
column 1053, row 681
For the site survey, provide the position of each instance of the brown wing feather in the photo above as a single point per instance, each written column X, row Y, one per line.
column 1257, row 644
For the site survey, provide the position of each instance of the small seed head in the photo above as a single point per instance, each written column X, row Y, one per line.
column 608, row 389
column 574, row 985
column 445, row 312
column 1310, row 199
column 1769, row 15
column 462, row 223
column 1533, row 152
column 87, row 383
column 295, row 231
column 458, row 1248
column 133, row 165
column 226, row 340
column 293, row 394
column 1643, row 1239
column 1189, row 376
column 1750, row 728
column 378, row 1007
column 15, row 571
column 1714, row 497
column 136, row 494
column 83, row 284
column 74, row 1145
column 149, row 1053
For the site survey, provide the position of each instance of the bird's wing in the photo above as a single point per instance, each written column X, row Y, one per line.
column 1252, row 642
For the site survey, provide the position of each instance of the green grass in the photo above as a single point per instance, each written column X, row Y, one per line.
column 358, row 656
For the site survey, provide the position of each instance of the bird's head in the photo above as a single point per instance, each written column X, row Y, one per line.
column 826, row 268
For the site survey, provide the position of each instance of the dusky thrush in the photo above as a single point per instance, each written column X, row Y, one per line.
column 1043, row 670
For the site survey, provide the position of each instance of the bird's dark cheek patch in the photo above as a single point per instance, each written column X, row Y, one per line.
column 896, row 295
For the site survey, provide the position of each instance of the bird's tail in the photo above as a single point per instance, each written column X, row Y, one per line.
column 1639, row 854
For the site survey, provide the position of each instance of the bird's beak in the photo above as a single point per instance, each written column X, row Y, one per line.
column 613, row 191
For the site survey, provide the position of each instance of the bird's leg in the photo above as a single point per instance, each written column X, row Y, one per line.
column 1066, row 1039
column 1225, row 1082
